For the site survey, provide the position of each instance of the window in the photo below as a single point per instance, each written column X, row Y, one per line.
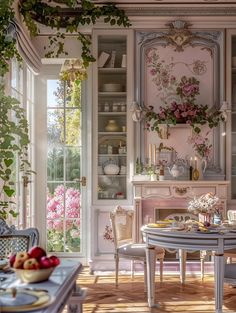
column 22, row 88
column 63, row 166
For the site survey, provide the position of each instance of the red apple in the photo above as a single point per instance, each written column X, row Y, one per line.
column 45, row 262
column 12, row 259
column 31, row 264
column 54, row 259
column 36, row 252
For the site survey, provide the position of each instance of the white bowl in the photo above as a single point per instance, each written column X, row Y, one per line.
column 111, row 169
column 111, row 87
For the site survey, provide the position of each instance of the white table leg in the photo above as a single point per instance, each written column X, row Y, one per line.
column 151, row 262
column 182, row 265
column 219, row 281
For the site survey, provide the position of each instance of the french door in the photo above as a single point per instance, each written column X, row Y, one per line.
column 65, row 184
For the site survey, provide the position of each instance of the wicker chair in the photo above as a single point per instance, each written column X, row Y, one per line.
column 13, row 240
column 122, row 222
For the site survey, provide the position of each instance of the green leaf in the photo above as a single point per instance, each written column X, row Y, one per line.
column 8, row 191
column 8, row 162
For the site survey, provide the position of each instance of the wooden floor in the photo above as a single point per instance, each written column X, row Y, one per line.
column 194, row 297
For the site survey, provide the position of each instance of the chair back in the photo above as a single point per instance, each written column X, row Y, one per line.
column 231, row 214
column 182, row 217
column 13, row 240
column 122, row 226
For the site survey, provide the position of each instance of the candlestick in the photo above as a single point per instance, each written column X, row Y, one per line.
column 154, row 154
column 150, row 154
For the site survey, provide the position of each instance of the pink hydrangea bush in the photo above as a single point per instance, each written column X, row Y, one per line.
column 63, row 219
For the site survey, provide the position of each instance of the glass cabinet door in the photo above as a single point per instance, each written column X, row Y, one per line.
column 110, row 142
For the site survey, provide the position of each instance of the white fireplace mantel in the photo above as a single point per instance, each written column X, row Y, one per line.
column 173, row 194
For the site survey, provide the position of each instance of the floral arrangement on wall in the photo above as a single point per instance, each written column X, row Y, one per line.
column 187, row 111
column 63, row 203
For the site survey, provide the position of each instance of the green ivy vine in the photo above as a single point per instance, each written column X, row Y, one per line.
column 77, row 14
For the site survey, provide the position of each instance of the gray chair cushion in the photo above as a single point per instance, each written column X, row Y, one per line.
column 138, row 250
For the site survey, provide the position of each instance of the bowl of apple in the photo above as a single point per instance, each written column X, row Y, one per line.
column 33, row 266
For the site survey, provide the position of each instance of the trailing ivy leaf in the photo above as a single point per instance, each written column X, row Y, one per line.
column 8, row 162
column 8, row 191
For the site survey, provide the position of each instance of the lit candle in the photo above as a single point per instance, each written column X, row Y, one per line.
column 195, row 162
column 150, row 154
column 154, row 154
column 191, row 161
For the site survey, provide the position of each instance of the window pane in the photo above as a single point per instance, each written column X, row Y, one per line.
column 55, row 164
column 73, row 235
column 73, row 132
column 55, row 126
column 72, row 163
column 55, row 93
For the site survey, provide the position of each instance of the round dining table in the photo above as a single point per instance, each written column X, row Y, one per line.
column 216, row 241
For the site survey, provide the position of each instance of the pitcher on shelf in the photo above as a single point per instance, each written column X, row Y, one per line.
column 176, row 170
column 202, row 167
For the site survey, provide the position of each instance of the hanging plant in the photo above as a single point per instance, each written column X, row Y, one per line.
column 71, row 16
column 14, row 142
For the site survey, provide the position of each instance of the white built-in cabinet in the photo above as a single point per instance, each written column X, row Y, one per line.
column 112, row 125
column 112, row 133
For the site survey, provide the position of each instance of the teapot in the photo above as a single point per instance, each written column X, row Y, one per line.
column 176, row 170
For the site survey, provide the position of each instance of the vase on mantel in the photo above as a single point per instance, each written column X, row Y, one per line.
column 204, row 217
column 202, row 168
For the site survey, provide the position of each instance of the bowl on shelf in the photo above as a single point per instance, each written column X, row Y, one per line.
column 111, row 169
column 33, row 276
column 111, row 87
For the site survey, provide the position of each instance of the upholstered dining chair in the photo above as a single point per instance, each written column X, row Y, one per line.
column 122, row 221
column 230, row 254
column 13, row 240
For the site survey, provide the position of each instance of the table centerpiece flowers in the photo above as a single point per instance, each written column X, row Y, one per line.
column 206, row 206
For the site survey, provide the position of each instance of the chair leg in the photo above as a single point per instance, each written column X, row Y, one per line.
column 161, row 269
column 117, row 268
column 132, row 269
column 202, row 259
column 145, row 275
column 229, row 260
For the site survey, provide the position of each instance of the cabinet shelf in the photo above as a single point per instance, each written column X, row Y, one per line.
column 112, row 155
column 112, row 133
column 112, row 113
column 117, row 176
column 112, row 70
column 112, row 94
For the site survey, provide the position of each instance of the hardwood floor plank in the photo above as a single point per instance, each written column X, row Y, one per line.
column 129, row 297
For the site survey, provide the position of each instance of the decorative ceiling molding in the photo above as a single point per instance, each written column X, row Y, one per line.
column 179, row 11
